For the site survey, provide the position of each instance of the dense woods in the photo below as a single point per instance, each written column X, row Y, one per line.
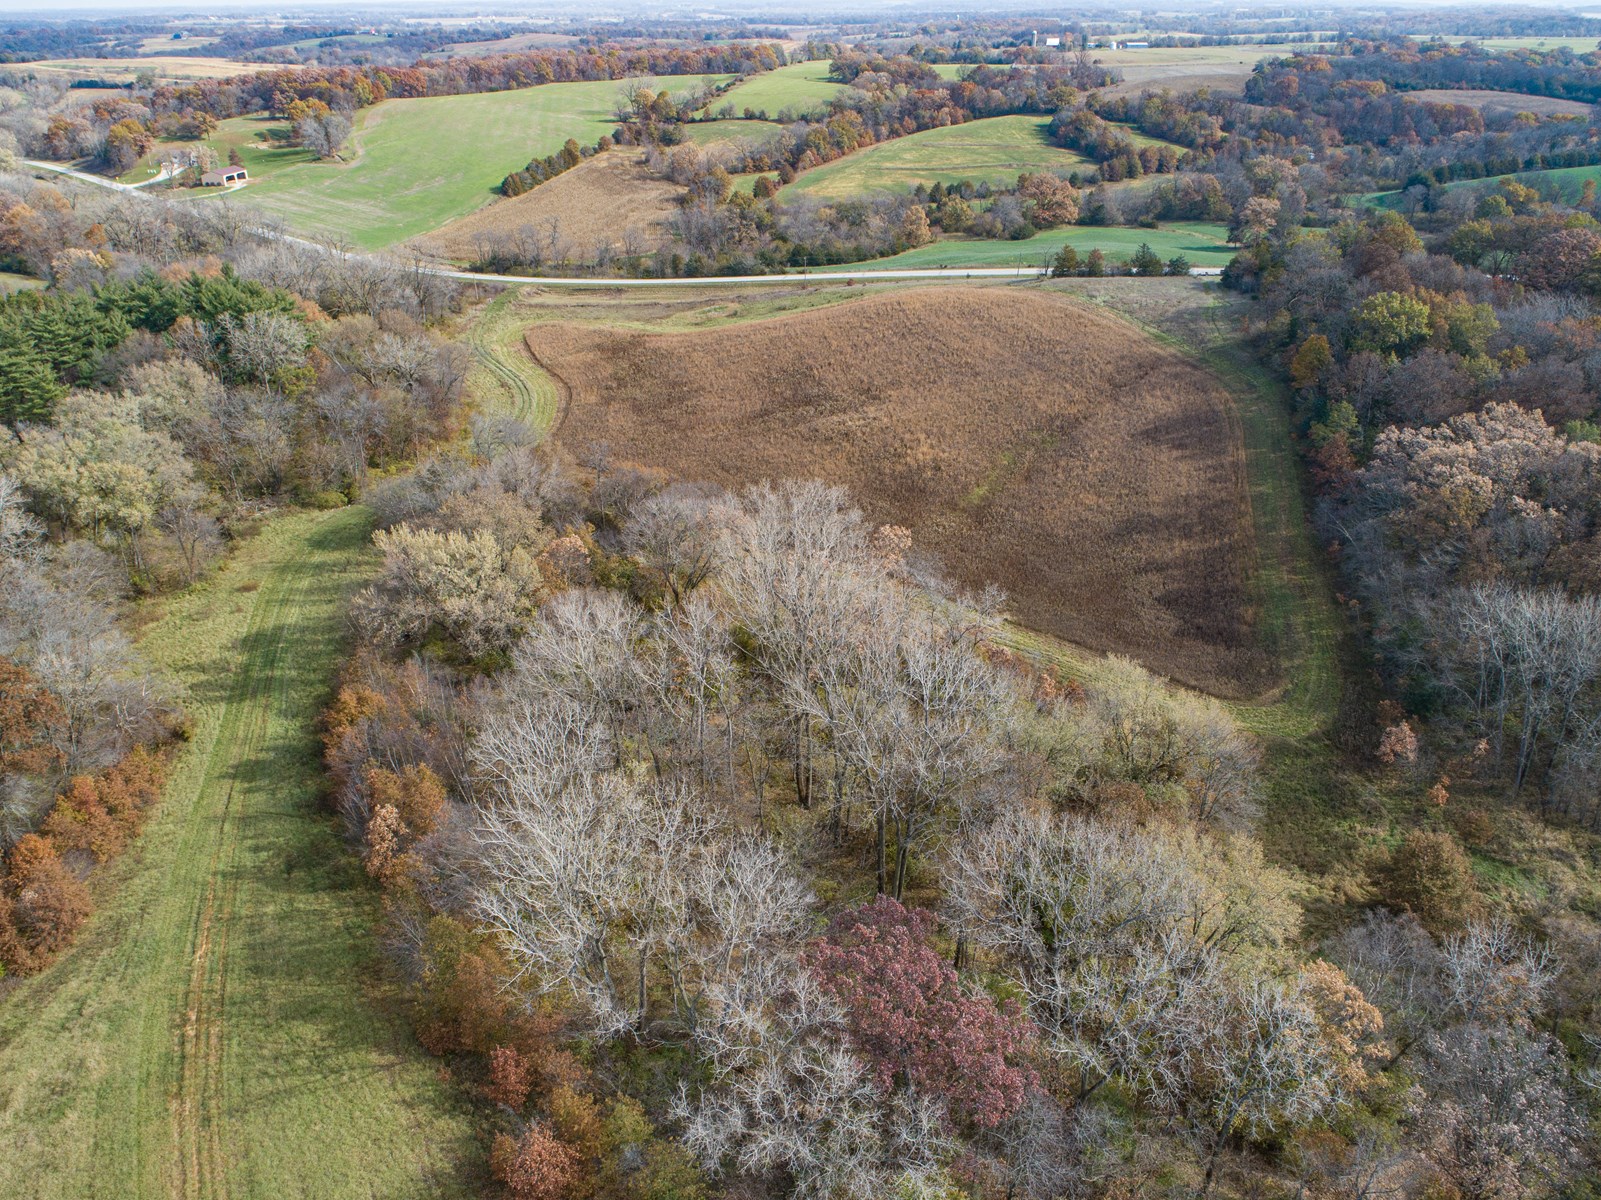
column 642, row 737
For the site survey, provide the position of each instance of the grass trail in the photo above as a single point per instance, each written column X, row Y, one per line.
column 505, row 379
column 217, row 1029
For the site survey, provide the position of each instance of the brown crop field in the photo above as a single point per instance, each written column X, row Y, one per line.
column 606, row 200
column 1544, row 106
column 167, row 68
column 1025, row 438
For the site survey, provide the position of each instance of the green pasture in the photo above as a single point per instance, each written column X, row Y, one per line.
column 414, row 165
column 801, row 87
column 1204, row 244
column 1561, row 183
column 994, row 150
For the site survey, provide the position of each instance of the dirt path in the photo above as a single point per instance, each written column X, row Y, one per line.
column 213, row 1033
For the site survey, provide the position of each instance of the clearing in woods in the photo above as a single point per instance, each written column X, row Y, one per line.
column 1545, row 106
column 993, row 150
column 219, row 1028
column 729, row 129
column 799, row 88
column 983, row 420
column 608, row 200
column 416, row 165
column 1563, row 183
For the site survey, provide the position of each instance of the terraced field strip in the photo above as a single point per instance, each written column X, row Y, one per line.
column 218, row 1029
column 505, row 379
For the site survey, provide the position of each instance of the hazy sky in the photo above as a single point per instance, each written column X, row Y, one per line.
column 87, row 8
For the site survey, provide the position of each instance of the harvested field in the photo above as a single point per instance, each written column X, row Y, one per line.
column 1026, row 439
column 1544, row 106
column 607, row 200
column 168, row 68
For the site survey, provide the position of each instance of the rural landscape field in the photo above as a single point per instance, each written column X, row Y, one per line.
column 1008, row 476
column 889, row 604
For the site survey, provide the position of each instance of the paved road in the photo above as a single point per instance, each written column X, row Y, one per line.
column 866, row 275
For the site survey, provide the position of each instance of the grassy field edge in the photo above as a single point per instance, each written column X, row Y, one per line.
column 226, row 1000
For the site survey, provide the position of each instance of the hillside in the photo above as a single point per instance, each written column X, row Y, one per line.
column 981, row 419
column 609, row 200
column 415, row 165
column 993, row 151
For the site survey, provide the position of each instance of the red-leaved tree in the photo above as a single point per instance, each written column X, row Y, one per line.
column 910, row 1017
column 536, row 1166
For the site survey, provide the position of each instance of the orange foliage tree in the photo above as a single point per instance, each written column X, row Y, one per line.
column 536, row 1166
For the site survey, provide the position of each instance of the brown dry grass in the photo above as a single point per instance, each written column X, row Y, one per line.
column 598, row 201
column 1545, row 106
column 1024, row 438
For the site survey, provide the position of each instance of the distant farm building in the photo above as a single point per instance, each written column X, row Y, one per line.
column 223, row 177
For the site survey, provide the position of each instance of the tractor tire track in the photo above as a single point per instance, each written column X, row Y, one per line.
column 198, row 1106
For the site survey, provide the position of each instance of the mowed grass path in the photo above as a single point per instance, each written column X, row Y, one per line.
column 1203, row 243
column 1309, row 814
column 217, row 1030
column 993, row 150
column 416, row 165
column 504, row 379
